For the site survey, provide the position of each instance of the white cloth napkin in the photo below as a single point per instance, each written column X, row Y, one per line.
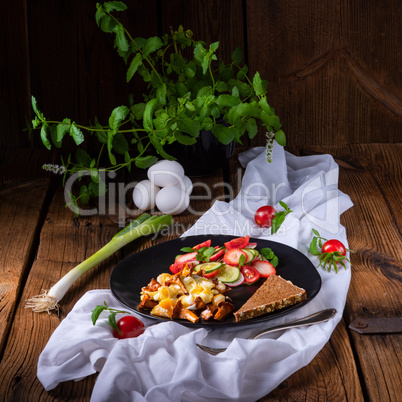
column 164, row 364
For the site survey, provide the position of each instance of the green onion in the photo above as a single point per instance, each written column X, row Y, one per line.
column 142, row 226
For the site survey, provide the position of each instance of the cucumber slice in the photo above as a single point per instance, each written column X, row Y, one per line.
column 256, row 254
column 208, row 267
column 228, row 274
column 250, row 254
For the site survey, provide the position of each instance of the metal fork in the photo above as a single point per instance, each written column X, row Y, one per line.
column 316, row 318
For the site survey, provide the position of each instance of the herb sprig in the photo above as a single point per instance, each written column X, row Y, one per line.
column 97, row 311
column 184, row 96
column 279, row 217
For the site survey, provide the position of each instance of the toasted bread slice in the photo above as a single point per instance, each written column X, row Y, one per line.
column 275, row 293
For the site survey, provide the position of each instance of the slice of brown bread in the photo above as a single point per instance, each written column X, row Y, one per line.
column 275, row 293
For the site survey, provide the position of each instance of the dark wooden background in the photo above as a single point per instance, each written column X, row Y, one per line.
column 334, row 67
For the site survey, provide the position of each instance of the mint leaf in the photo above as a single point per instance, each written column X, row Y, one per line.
column 144, row 162
column 184, row 138
column 135, row 63
column 107, row 24
column 116, row 118
column 76, row 133
column 148, row 114
column 187, row 249
column 313, row 246
column 237, row 55
column 189, row 126
column 152, row 44
column 120, row 144
column 199, row 52
column 267, row 253
column 280, row 138
column 259, row 86
column 161, row 94
column 62, row 129
column 36, row 110
column 120, row 40
column 224, row 134
column 82, row 157
column 114, row 5
column 112, row 322
column 227, row 100
column 110, row 147
column 43, row 135
column 279, row 217
column 252, row 128
column 96, row 312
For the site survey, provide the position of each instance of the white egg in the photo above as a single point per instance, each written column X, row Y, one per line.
column 166, row 173
column 187, row 184
column 172, row 200
column 144, row 195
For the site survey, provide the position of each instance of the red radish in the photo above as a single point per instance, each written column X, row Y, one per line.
column 187, row 257
column 238, row 282
column 206, row 243
column 232, row 256
column 252, row 245
column 265, row 268
column 217, row 255
column 240, row 242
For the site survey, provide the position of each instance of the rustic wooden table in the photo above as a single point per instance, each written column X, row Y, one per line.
column 41, row 240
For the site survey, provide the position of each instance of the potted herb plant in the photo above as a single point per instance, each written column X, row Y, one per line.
column 189, row 92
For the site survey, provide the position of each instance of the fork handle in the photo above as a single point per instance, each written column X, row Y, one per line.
column 316, row 318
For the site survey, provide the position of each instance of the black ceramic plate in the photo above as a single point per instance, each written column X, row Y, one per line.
column 136, row 271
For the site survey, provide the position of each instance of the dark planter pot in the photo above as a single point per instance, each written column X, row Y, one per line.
column 204, row 157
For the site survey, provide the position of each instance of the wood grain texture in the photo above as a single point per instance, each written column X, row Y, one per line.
column 372, row 177
column 76, row 72
column 324, row 378
column 333, row 68
column 23, row 194
column 210, row 21
column 15, row 76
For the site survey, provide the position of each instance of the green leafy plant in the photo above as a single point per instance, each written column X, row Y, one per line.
column 188, row 90
column 280, row 217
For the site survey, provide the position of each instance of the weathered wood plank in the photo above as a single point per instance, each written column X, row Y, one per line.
column 210, row 21
column 23, row 189
column 325, row 83
column 331, row 376
column 371, row 176
column 76, row 71
column 15, row 73
column 64, row 242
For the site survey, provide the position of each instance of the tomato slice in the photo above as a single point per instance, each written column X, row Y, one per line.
column 240, row 242
column 210, row 275
column 206, row 243
column 176, row 267
column 250, row 274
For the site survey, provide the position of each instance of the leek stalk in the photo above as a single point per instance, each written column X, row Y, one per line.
column 142, row 226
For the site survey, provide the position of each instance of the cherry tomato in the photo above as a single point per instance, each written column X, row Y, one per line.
column 250, row 274
column 240, row 242
column 264, row 215
column 332, row 246
column 129, row 326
